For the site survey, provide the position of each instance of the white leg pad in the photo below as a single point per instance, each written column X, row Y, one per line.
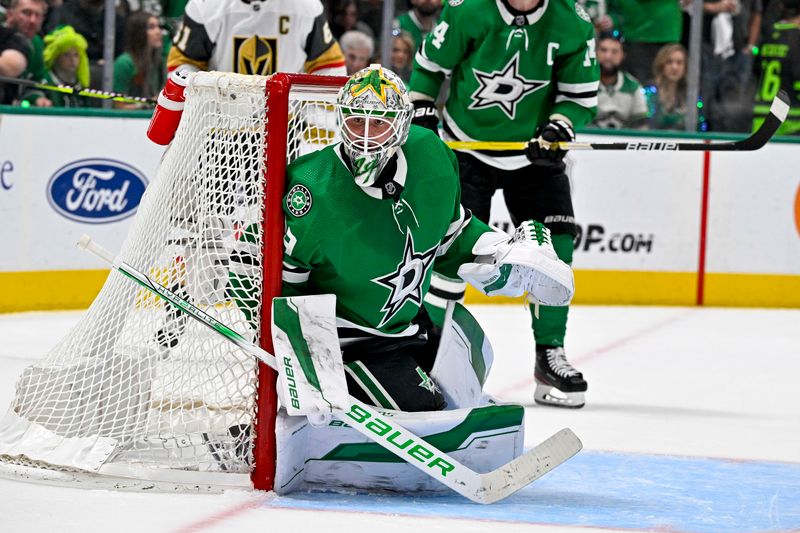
column 310, row 369
column 336, row 456
column 463, row 359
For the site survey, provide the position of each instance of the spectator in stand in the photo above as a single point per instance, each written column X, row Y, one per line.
column 87, row 18
column 730, row 30
column 620, row 100
column 66, row 63
column 14, row 51
column 26, row 17
column 646, row 29
column 667, row 98
column 141, row 70
column 357, row 48
column 420, row 19
column 344, row 18
column 402, row 54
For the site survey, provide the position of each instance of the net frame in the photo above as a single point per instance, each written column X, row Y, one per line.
column 280, row 90
column 277, row 91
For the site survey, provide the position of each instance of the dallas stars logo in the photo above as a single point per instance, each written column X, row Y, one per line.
column 373, row 81
column 504, row 88
column 405, row 283
column 298, row 200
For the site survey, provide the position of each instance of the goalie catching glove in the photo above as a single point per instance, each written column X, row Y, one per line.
column 525, row 263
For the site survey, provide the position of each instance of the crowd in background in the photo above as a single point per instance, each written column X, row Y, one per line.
column 641, row 48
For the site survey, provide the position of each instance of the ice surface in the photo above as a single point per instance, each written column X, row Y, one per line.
column 692, row 424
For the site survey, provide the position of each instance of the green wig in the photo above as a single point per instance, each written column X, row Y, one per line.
column 61, row 40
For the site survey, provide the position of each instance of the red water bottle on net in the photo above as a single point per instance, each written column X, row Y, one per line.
column 168, row 111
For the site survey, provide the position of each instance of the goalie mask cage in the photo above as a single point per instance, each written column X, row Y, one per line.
column 138, row 396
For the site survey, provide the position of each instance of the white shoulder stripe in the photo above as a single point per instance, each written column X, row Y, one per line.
column 585, row 102
column 591, row 86
column 427, row 64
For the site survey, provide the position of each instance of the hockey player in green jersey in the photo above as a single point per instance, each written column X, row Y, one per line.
column 780, row 66
column 519, row 70
column 365, row 219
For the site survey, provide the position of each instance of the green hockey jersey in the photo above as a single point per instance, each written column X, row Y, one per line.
column 373, row 247
column 409, row 22
column 780, row 69
column 509, row 72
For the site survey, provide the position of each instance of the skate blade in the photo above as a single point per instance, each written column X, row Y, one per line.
column 547, row 395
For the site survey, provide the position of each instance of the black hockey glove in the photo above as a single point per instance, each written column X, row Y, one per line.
column 425, row 115
column 553, row 131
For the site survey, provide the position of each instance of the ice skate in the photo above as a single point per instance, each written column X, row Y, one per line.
column 557, row 382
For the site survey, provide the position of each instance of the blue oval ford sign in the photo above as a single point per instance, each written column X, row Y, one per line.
column 96, row 191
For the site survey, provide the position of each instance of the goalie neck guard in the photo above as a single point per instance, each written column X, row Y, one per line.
column 374, row 113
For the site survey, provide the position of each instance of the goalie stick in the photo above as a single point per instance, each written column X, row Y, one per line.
column 91, row 93
column 480, row 488
column 777, row 114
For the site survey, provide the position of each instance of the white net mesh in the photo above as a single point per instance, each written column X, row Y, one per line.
column 135, row 382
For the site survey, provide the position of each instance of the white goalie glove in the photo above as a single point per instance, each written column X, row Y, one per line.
column 526, row 262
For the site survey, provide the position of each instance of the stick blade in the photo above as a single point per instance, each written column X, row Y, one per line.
column 528, row 467
column 778, row 111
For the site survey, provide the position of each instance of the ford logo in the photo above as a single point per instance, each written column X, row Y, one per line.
column 96, row 191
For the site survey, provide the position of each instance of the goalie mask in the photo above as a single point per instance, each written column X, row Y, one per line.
column 374, row 113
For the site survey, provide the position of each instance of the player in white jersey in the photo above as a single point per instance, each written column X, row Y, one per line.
column 257, row 37
column 254, row 37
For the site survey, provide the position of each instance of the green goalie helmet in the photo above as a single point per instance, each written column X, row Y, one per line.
column 374, row 113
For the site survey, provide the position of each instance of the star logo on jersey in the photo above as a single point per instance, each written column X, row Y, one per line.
column 426, row 383
column 299, row 200
column 503, row 88
column 405, row 283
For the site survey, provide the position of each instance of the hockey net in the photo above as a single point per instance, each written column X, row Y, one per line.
column 138, row 395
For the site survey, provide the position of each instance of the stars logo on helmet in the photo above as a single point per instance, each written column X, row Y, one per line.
column 374, row 81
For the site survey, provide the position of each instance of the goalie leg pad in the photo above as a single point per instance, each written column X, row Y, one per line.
column 310, row 369
column 463, row 360
column 337, row 456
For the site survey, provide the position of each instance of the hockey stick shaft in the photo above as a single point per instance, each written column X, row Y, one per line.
column 480, row 488
column 91, row 93
column 777, row 114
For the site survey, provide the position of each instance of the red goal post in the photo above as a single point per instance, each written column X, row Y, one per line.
column 278, row 89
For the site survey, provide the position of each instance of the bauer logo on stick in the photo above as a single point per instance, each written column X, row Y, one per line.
column 298, row 201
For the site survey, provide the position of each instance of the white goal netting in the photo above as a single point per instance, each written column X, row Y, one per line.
column 136, row 389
